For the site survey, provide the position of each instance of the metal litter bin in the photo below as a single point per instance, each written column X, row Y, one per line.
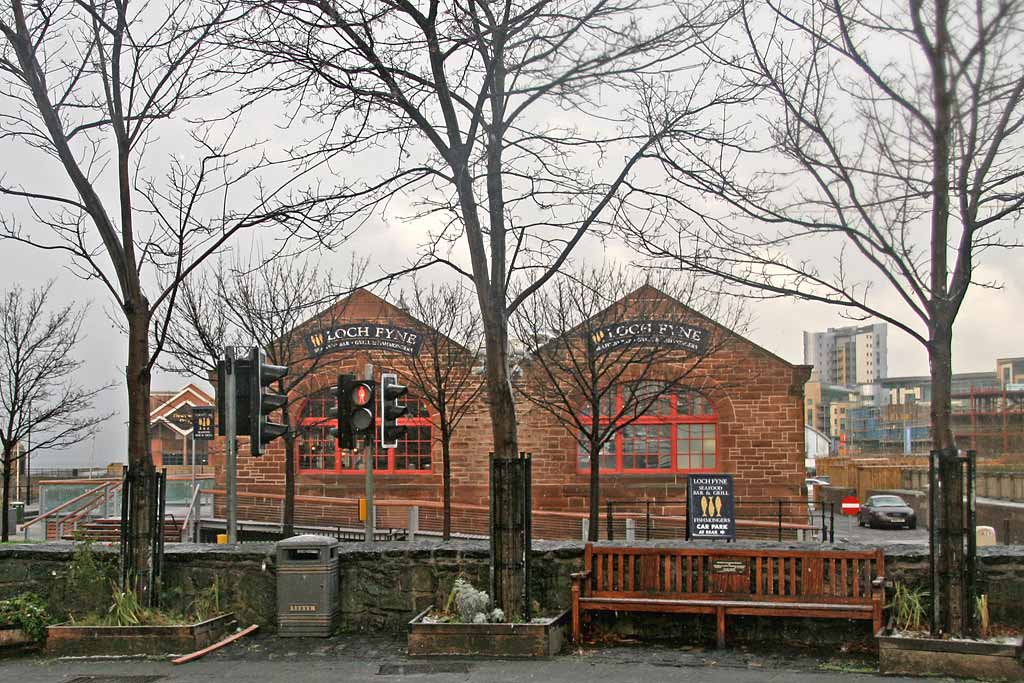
column 307, row 586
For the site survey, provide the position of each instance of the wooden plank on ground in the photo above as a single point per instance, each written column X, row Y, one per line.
column 216, row 646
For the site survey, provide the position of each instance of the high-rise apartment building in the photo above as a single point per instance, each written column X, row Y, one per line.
column 847, row 355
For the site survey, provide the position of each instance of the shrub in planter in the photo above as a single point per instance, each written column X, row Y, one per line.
column 907, row 648
column 26, row 613
column 466, row 626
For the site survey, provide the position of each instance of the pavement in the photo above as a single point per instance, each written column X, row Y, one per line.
column 381, row 659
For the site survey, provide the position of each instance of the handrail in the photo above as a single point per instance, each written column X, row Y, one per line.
column 60, row 507
column 109, row 489
column 188, row 513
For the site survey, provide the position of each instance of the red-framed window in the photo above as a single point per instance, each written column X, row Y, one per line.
column 319, row 452
column 677, row 433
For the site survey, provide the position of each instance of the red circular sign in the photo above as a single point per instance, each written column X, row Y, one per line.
column 850, row 505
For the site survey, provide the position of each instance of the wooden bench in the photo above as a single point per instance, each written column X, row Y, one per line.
column 835, row 584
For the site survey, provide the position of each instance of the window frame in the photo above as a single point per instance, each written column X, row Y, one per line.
column 672, row 419
column 421, row 419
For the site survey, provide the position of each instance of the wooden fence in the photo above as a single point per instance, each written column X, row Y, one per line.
column 866, row 474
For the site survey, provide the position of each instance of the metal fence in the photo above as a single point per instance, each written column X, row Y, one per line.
column 778, row 519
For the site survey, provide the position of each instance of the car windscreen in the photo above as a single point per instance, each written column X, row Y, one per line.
column 888, row 502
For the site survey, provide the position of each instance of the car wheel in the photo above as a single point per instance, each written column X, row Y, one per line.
column 912, row 525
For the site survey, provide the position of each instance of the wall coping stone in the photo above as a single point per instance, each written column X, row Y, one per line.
column 174, row 552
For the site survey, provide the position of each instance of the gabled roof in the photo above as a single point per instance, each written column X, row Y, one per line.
column 190, row 394
column 365, row 298
column 647, row 290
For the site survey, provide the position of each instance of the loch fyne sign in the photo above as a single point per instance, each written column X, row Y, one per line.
column 655, row 333
column 364, row 335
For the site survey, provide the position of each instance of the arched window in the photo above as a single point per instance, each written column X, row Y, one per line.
column 319, row 452
column 678, row 433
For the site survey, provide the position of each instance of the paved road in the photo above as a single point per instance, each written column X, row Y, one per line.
column 324, row 669
column 847, row 528
column 359, row 658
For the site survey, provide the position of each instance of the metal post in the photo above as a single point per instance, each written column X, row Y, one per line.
column 528, row 534
column 231, row 443
column 648, row 520
column 1006, row 531
column 28, row 462
column 609, row 522
column 780, row 520
column 630, row 530
column 586, row 529
column 413, row 523
column 832, row 523
column 193, row 491
column 972, row 551
column 368, row 463
column 933, row 538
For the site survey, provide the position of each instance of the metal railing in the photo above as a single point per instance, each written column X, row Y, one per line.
column 193, row 515
column 63, row 506
column 755, row 518
column 103, row 497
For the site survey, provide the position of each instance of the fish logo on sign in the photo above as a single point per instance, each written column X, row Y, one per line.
column 711, row 507
column 598, row 336
column 317, row 340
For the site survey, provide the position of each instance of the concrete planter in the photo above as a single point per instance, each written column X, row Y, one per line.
column 67, row 639
column 960, row 658
column 13, row 637
column 540, row 639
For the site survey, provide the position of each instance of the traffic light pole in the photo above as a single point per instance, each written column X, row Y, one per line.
column 368, row 464
column 231, row 447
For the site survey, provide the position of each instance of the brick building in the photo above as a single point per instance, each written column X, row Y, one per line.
column 170, row 428
column 747, row 420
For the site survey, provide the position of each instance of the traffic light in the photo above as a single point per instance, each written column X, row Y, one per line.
column 343, row 428
column 362, row 416
column 263, row 402
column 391, row 410
column 241, row 396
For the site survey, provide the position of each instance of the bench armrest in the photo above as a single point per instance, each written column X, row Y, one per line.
column 580, row 584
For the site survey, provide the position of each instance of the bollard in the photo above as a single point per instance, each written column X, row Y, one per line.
column 630, row 530
column 414, row 523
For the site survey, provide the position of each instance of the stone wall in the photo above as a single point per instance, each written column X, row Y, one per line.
column 384, row 586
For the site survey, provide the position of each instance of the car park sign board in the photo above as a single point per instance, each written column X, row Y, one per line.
column 711, row 511
column 850, row 505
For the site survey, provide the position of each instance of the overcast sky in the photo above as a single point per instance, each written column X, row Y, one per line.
column 988, row 326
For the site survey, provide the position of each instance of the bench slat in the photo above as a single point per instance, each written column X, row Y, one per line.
column 737, row 604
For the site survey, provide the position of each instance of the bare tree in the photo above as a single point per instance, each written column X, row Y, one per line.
column 521, row 128
column 37, row 393
column 895, row 156
column 444, row 374
column 268, row 303
column 87, row 86
column 595, row 331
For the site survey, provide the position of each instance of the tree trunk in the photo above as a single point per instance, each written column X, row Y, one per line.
column 446, row 478
column 951, row 512
column 507, row 580
column 288, row 518
column 139, row 456
column 5, row 533
column 595, row 491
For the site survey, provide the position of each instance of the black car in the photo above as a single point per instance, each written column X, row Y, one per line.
column 886, row 511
